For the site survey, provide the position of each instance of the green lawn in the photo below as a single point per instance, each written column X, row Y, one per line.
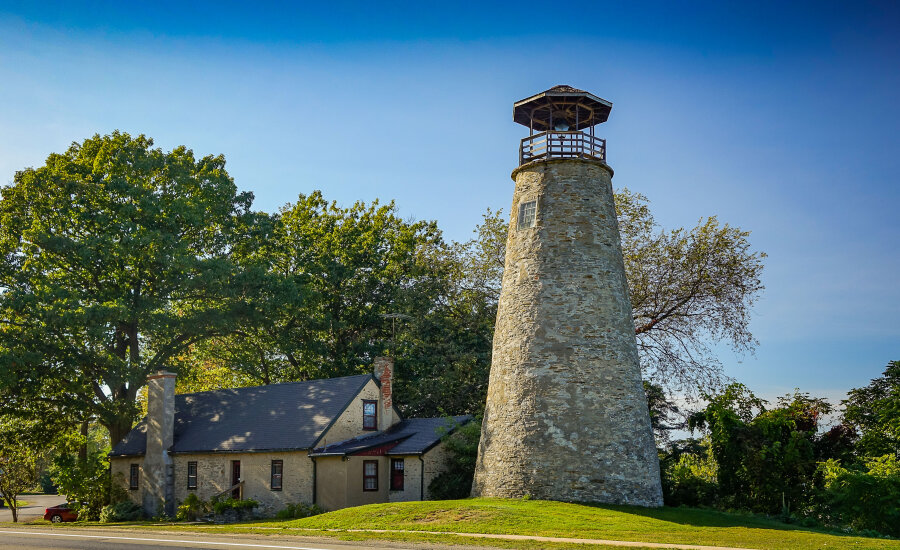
column 557, row 519
column 420, row 521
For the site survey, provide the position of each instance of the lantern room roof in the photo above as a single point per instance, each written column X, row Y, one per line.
column 579, row 108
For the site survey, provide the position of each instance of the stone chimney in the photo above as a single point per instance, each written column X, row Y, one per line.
column 158, row 483
column 384, row 373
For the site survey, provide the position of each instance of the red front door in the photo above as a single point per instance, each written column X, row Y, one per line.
column 235, row 477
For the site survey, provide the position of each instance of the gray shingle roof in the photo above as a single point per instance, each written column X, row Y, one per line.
column 288, row 416
column 412, row 437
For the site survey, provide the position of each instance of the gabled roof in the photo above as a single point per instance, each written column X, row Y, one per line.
column 413, row 436
column 289, row 416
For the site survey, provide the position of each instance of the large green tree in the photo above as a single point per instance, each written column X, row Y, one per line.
column 445, row 352
column 26, row 443
column 343, row 285
column 874, row 412
column 339, row 284
column 766, row 457
column 114, row 258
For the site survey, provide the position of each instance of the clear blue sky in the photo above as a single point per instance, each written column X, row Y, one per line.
column 780, row 117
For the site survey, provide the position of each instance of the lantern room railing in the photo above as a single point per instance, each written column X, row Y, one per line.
column 561, row 145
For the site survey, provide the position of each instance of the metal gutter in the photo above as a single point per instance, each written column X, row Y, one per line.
column 315, row 479
column 422, row 479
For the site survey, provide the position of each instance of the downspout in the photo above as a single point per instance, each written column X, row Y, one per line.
column 422, row 479
column 314, row 480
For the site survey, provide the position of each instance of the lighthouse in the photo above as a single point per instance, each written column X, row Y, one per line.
column 566, row 416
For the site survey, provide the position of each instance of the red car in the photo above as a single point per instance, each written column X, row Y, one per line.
column 60, row 513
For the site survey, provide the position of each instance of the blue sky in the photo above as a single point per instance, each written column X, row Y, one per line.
column 781, row 119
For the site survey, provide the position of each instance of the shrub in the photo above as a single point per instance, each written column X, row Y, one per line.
column 121, row 511
column 192, row 508
column 85, row 482
column 240, row 506
column 299, row 510
column 456, row 481
column 691, row 481
column 864, row 500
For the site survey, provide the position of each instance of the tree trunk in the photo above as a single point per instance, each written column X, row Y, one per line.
column 118, row 430
column 83, row 449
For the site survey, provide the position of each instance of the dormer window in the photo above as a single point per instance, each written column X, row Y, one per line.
column 527, row 214
column 370, row 415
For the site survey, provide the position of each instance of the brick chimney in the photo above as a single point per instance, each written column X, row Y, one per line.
column 384, row 373
column 157, row 479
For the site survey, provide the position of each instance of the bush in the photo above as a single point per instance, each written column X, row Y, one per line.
column 299, row 510
column 86, row 482
column 192, row 508
column 122, row 511
column 864, row 500
column 456, row 481
column 691, row 481
column 240, row 506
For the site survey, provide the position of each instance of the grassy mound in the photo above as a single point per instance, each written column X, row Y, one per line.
column 558, row 519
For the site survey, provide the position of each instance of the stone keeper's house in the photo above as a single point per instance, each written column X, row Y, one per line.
column 337, row 442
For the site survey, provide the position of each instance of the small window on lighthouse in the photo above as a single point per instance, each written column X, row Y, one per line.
column 527, row 211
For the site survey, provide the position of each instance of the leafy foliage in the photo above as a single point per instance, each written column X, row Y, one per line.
column 874, row 412
column 114, row 258
column 344, row 285
column 85, row 482
column 21, row 453
column 444, row 354
column 866, row 499
column 299, row 510
column 766, row 458
column 456, row 480
column 332, row 277
column 220, row 506
column 125, row 510
column 192, row 508
column 689, row 475
column 665, row 415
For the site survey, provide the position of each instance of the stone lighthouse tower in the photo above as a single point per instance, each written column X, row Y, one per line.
column 566, row 416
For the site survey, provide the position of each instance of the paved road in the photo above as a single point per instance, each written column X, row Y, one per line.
column 35, row 508
column 86, row 539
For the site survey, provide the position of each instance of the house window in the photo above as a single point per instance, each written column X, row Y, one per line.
column 277, row 471
column 370, row 415
column 396, row 474
column 192, row 475
column 527, row 214
column 134, row 479
column 370, row 475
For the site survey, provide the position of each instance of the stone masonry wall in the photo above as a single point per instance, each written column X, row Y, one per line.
column 566, row 416
column 435, row 464
column 412, row 479
column 120, row 470
column 214, row 476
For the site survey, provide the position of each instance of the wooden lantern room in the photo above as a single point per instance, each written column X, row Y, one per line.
column 555, row 120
